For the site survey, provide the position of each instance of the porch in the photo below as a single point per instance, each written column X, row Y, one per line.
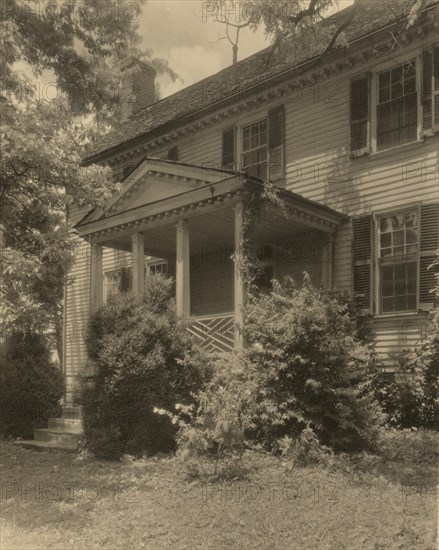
column 194, row 218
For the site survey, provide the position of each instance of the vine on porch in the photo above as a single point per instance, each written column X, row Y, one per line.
column 255, row 205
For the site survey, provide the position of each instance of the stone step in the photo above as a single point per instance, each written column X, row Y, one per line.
column 54, row 436
column 72, row 413
column 47, row 446
column 65, row 425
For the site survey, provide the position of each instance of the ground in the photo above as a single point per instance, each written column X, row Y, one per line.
column 56, row 500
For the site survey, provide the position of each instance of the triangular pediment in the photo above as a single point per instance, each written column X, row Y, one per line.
column 155, row 180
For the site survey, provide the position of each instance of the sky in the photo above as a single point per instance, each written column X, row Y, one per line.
column 185, row 34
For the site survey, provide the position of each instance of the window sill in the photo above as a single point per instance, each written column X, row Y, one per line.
column 397, row 148
column 400, row 315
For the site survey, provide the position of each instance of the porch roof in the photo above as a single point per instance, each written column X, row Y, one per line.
column 160, row 192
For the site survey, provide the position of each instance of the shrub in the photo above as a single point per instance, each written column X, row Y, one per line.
column 144, row 358
column 312, row 369
column 31, row 385
column 214, row 426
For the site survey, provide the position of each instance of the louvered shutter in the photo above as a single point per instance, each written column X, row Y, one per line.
column 436, row 88
column 171, row 269
column 126, row 279
column 429, row 244
column 228, row 152
column 427, row 68
column 362, row 262
column 359, row 114
column 276, row 138
column 430, row 89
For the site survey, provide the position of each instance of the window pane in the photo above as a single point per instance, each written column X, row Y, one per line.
column 400, row 303
column 411, row 302
column 387, row 289
column 386, row 240
column 387, row 304
column 387, row 273
column 412, row 269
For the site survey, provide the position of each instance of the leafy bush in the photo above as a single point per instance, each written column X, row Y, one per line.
column 303, row 451
column 144, row 358
column 311, row 367
column 31, row 385
column 214, row 426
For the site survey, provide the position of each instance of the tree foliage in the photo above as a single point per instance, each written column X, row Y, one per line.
column 60, row 89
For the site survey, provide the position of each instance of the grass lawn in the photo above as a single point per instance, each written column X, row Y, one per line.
column 56, row 500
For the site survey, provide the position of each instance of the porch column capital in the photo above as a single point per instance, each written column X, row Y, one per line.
column 183, row 288
column 138, row 262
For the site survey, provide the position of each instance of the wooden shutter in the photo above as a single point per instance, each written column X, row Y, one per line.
column 276, row 139
column 436, row 88
column 173, row 154
column 126, row 279
column 430, row 89
column 427, row 71
column 228, row 153
column 362, row 262
column 429, row 244
column 359, row 114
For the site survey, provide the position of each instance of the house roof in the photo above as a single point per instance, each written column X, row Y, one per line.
column 371, row 16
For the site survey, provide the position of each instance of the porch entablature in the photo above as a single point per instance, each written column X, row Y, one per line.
column 160, row 193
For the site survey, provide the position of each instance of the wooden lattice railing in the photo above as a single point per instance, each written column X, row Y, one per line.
column 216, row 333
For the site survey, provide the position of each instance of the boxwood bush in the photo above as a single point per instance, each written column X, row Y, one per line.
column 312, row 368
column 31, row 385
column 144, row 358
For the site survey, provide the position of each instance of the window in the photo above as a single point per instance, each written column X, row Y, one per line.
column 156, row 268
column 403, row 245
column 398, row 261
column 397, row 106
column 386, row 109
column 115, row 282
column 261, row 146
column 255, row 149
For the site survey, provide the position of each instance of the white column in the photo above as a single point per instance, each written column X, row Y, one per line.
column 327, row 261
column 138, row 263
column 238, row 279
column 183, row 288
column 96, row 278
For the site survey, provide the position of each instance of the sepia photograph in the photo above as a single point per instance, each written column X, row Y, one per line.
column 219, row 274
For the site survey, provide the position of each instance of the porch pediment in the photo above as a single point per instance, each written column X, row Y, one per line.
column 160, row 192
column 154, row 180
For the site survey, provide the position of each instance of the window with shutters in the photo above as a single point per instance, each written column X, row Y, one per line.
column 398, row 261
column 430, row 89
column 262, row 146
column 397, row 107
column 115, row 282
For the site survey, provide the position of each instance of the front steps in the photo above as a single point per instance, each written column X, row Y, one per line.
column 61, row 434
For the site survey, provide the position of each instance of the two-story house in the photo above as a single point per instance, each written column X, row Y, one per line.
column 352, row 141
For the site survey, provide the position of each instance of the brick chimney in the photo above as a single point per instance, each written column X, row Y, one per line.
column 138, row 86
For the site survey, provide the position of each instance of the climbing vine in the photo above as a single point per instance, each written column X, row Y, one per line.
column 255, row 205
